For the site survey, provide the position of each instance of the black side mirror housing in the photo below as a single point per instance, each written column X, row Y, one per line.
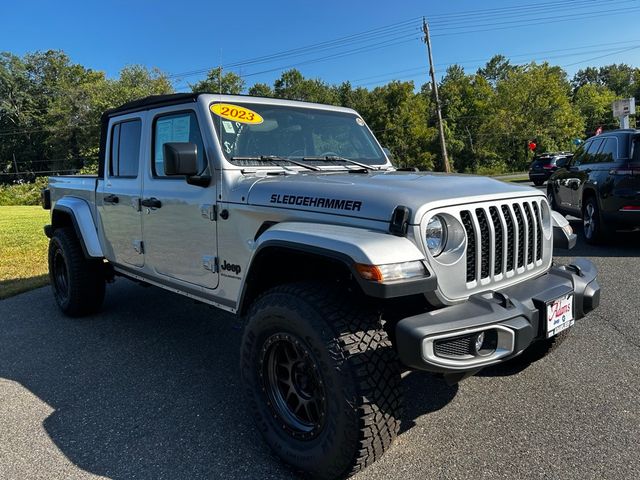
column 180, row 158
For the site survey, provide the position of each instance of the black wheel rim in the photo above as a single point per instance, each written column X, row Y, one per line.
column 589, row 220
column 293, row 385
column 60, row 276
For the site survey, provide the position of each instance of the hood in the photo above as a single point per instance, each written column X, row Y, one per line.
column 375, row 195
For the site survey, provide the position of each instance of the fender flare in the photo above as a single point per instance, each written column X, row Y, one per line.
column 348, row 245
column 82, row 219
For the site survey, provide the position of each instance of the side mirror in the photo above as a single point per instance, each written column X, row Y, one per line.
column 180, row 158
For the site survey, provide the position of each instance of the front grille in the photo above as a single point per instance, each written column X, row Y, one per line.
column 453, row 347
column 503, row 237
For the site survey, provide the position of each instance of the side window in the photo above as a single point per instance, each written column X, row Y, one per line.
column 636, row 150
column 179, row 127
column 579, row 154
column 125, row 149
column 590, row 152
column 609, row 151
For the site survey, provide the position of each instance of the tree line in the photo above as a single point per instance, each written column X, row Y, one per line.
column 50, row 109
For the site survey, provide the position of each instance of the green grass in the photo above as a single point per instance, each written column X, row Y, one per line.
column 23, row 249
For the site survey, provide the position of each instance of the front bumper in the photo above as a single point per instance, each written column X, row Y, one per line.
column 515, row 315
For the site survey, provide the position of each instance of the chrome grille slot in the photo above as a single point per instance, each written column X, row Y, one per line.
column 531, row 237
column 510, row 236
column 484, row 242
column 521, row 234
column 499, row 243
column 465, row 216
column 536, row 210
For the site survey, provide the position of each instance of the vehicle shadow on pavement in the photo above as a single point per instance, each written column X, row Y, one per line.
column 149, row 388
column 424, row 393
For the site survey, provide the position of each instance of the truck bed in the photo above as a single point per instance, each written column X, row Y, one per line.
column 80, row 186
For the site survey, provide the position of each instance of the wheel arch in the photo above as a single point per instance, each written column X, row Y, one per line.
column 76, row 213
column 295, row 252
column 587, row 192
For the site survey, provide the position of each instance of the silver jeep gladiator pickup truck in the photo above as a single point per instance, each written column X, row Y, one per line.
column 347, row 270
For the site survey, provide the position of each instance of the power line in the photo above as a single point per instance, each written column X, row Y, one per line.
column 531, row 24
column 417, row 69
column 532, row 12
column 400, row 27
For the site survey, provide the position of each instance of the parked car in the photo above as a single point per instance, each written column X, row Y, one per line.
column 344, row 270
column 601, row 184
column 544, row 165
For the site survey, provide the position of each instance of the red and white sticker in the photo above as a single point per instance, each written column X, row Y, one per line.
column 559, row 315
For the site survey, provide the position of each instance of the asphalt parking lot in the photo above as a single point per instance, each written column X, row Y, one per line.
column 149, row 389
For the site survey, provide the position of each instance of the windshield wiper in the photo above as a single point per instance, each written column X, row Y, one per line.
column 336, row 158
column 276, row 160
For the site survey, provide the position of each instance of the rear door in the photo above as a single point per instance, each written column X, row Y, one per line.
column 179, row 222
column 580, row 171
column 119, row 194
column 565, row 179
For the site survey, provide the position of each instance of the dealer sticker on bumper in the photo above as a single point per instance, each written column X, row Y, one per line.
column 559, row 315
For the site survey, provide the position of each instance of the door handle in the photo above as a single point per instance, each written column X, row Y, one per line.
column 152, row 202
column 111, row 199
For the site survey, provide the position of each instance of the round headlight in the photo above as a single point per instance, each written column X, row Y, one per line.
column 436, row 235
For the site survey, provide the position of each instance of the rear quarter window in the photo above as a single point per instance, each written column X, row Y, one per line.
column 125, row 149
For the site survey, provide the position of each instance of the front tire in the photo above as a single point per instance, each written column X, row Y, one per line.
column 322, row 379
column 78, row 283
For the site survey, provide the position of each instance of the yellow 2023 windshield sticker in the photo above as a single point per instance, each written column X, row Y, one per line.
column 236, row 113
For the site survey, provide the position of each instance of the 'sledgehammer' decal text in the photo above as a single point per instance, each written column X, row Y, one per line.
column 318, row 202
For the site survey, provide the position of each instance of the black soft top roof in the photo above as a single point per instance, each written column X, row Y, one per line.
column 141, row 104
column 152, row 101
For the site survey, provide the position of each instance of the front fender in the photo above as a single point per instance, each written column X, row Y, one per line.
column 351, row 245
column 80, row 213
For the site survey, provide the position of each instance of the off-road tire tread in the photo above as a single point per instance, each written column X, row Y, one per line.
column 360, row 343
column 86, row 277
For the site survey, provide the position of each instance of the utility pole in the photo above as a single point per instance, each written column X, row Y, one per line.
column 443, row 144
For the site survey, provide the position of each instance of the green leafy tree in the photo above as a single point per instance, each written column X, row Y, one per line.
column 496, row 69
column 261, row 90
column 594, row 101
column 532, row 103
column 219, row 82
column 293, row 86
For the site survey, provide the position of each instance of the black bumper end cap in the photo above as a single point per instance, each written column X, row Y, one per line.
column 562, row 239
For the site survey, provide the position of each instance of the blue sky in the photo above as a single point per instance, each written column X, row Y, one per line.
column 185, row 38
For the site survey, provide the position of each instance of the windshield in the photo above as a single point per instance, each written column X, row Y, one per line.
column 249, row 131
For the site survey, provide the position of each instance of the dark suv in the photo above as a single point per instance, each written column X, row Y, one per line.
column 544, row 165
column 601, row 184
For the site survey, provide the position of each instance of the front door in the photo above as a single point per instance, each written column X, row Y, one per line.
column 119, row 195
column 178, row 218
